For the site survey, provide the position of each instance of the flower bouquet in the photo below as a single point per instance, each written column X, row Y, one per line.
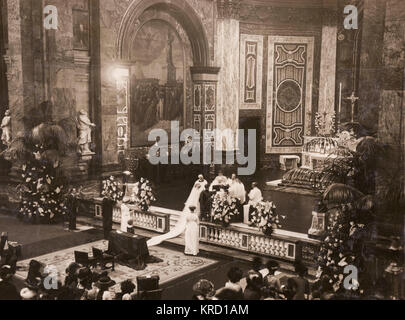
column 266, row 218
column 224, row 208
column 41, row 194
column 112, row 190
column 145, row 196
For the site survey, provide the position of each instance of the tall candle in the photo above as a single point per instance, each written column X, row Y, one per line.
column 340, row 99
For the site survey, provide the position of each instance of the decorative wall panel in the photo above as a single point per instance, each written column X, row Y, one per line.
column 197, row 97
column 122, row 116
column 251, row 71
column 289, row 105
column 205, row 107
column 197, row 122
column 210, row 97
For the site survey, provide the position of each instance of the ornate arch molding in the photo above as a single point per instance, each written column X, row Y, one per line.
column 181, row 11
column 149, row 16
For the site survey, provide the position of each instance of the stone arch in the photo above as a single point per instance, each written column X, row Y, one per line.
column 181, row 11
column 147, row 17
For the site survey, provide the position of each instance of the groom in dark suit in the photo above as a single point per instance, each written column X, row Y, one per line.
column 206, row 203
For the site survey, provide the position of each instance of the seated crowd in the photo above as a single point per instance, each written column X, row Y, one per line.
column 262, row 283
column 80, row 283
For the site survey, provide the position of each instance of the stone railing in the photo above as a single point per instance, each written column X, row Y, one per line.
column 151, row 220
column 252, row 240
column 282, row 244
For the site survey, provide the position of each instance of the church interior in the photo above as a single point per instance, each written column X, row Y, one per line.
column 124, row 128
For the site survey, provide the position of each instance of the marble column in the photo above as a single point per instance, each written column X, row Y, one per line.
column 227, row 56
column 370, row 80
column 82, row 81
column 61, row 64
column 327, row 80
column 13, row 60
column 391, row 103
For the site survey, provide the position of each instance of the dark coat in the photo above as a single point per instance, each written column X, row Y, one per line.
column 229, row 294
column 107, row 206
column 205, row 202
column 8, row 291
column 252, row 293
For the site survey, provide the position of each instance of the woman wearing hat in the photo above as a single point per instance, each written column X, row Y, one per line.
column 104, row 284
column 31, row 292
column 71, row 279
column 204, row 290
column 270, row 280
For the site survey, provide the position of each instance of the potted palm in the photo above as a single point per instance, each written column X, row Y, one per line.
column 40, row 151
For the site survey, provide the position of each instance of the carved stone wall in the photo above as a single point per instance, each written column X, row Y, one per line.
column 120, row 21
column 13, row 60
column 274, row 19
column 43, row 65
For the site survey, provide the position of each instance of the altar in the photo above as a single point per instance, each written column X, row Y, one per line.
column 128, row 245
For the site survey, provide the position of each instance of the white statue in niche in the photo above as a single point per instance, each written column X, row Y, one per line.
column 84, row 126
column 6, row 129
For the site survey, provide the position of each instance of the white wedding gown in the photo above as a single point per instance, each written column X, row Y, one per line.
column 192, row 201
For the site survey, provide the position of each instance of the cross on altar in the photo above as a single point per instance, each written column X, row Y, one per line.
column 353, row 99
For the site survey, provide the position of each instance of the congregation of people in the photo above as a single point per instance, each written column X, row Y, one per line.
column 265, row 282
column 262, row 282
column 80, row 283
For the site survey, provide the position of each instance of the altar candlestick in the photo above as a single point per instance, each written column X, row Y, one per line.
column 340, row 99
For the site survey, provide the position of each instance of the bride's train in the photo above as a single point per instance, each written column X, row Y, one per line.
column 192, row 201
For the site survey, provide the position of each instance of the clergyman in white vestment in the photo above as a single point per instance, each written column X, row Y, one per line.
column 255, row 196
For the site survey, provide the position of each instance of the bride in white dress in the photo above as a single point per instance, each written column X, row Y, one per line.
column 192, row 201
column 192, row 240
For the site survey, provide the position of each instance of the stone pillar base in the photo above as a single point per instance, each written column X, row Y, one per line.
column 83, row 164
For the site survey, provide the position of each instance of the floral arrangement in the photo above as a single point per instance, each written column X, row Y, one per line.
column 112, row 190
column 324, row 126
column 318, row 123
column 41, row 193
column 342, row 246
column 224, row 208
column 145, row 196
column 266, row 218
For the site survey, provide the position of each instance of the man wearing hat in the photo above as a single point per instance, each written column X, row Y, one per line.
column 8, row 291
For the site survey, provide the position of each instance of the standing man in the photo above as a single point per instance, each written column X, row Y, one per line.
column 206, row 203
column 73, row 208
column 255, row 196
